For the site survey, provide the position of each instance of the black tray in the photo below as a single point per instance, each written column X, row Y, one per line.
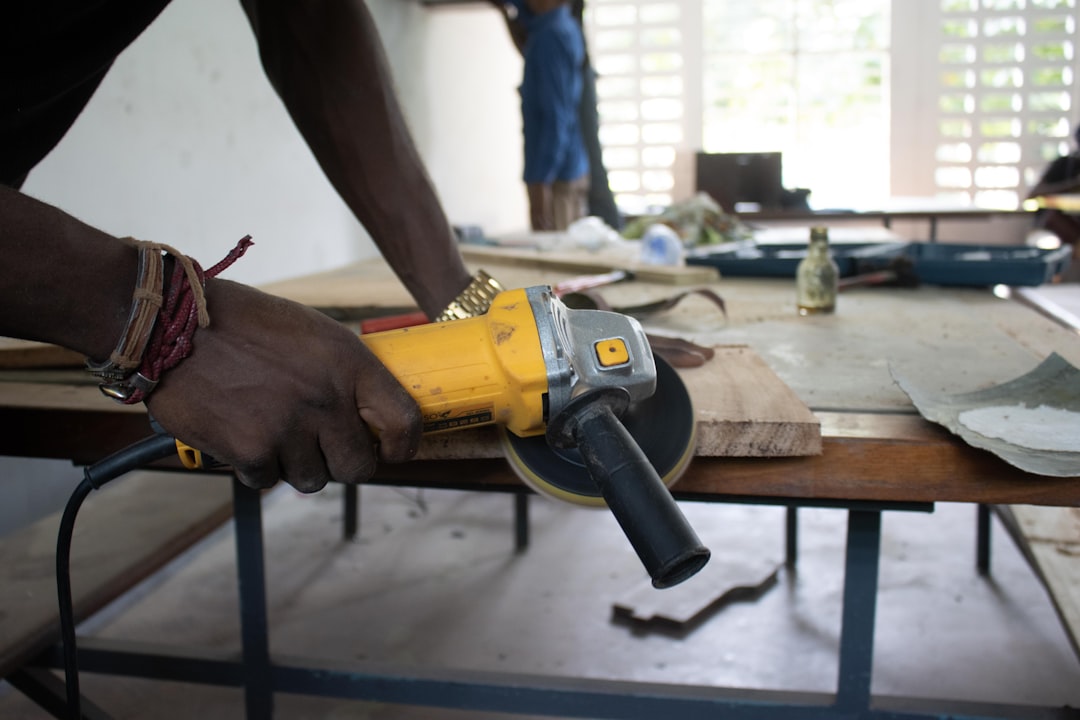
column 981, row 265
column 748, row 259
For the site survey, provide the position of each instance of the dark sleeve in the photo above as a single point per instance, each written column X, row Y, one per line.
column 53, row 56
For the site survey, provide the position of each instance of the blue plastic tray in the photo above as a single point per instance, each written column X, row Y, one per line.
column 748, row 259
column 981, row 265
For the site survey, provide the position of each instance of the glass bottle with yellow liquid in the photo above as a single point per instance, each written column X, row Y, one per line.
column 817, row 276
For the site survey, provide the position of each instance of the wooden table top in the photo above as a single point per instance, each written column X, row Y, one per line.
column 875, row 446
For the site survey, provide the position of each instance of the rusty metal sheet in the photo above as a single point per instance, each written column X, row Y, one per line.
column 1032, row 421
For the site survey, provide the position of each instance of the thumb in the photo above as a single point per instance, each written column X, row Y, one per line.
column 397, row 422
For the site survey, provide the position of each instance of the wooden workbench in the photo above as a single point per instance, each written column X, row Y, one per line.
column 838, row 365
column 875, row 451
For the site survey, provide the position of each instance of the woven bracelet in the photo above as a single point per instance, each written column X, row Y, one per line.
column 145, row 305
column 172, row 326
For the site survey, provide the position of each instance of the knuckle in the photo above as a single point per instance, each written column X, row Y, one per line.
column 360, row 470
column 255, row 470
column 256, row 481
column 411, row 417
column 407, row 426
column 309, row 483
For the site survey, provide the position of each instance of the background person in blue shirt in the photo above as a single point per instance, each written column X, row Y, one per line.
column 601, row 200
column 556, row 170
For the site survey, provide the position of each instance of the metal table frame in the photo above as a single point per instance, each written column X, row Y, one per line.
column 261, row 675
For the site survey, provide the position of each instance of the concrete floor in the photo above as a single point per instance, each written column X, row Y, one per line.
column 433, row 580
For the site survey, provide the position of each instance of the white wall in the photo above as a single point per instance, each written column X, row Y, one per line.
column 458, row 81
column 186, row 143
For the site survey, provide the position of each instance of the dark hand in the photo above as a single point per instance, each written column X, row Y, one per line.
column 279, row 391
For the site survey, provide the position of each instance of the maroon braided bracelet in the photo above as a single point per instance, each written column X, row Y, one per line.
column 182, row 313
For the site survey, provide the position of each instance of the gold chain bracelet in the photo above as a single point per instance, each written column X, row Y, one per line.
column 474, row 300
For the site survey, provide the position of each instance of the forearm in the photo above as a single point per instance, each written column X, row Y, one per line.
column 326, row 62
column 513, row 27
column 62, row 282
column 1060, row 187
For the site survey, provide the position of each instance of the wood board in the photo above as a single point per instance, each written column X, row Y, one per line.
column 742, row 409
column 682, row 608
column 125, row 532
column 367, row 285
column 583, row 262
column 1050, row 538
column 17, row 354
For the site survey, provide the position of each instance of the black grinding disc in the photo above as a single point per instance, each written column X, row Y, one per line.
column 663, row 426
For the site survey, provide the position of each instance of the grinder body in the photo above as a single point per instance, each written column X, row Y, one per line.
column 516, row 366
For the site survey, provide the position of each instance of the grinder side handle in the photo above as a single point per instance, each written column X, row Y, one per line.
column 657, row 529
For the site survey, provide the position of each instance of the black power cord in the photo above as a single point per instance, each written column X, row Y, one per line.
column 155, row 447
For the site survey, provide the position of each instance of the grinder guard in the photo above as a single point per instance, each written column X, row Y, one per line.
column 574, row 342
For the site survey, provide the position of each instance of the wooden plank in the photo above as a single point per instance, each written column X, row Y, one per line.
column 865, row 456
column 368, row 285
column 744, row 410
column 928, row 464
column 75, row 395
column 894, row 426
column 582, row 262
column 879, row 470
column 125, row 532
column 1050, row 538
column 1059, row 302
column 682, row 608
column 15, row 353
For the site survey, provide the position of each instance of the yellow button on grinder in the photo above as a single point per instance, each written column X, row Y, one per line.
column 612, row 352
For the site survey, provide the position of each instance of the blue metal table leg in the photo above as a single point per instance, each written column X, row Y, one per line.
column 521, row 521
column 254, row 631
column 982, row 539
column 860, row 605
column 351, row 518
column 791, row 537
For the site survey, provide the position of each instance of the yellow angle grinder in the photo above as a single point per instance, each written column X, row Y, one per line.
column 588, row 415
column 556, row 381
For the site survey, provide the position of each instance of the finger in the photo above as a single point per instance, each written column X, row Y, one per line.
column 249, row 454
column 303, row 465
column 396, row 419
column 349, row 450
column 258, row 476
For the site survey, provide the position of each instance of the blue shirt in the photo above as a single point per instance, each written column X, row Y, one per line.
column 550, row 94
